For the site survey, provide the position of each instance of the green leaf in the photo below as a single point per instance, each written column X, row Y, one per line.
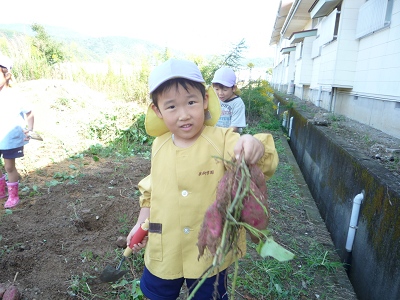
column 278, row 288
column 273, row 249
column 52, row 183
column 96, row 158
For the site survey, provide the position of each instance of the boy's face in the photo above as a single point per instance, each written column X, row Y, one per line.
column 183, row 113
column 224, row 93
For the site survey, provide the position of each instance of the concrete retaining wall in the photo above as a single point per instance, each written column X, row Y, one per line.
column 335, row 174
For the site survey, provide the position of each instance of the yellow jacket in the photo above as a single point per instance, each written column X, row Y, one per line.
column 181, row 186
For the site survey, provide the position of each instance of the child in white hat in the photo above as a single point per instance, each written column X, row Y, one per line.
column 184, row 178
column 233, row 112
column 13, row 135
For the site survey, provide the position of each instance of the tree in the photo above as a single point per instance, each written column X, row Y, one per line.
column 234, row 57
column 46, row 47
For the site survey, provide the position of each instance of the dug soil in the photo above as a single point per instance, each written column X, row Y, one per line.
column 74, row 207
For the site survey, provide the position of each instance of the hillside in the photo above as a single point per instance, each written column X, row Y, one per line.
column 117, row 48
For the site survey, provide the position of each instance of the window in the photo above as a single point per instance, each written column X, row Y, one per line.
column 373, row 15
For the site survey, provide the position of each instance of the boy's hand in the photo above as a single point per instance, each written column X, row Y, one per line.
column 27, row 137
column 137, row 247
column 252, row 148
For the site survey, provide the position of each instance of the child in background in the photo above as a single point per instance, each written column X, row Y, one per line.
column 13, row 135
column 184, row 178
column 233, row 113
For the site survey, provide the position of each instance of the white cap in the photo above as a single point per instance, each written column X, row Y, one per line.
column 174, row 68
column 225, row 76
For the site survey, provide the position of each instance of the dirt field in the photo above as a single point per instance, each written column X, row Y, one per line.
column 78, row 206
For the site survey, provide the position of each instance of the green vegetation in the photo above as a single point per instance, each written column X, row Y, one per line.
column 45, row 47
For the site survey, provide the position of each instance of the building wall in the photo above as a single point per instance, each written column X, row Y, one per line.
column 347, row 45
column 375, row 97
column 292, row 66
column 378, row 64
column 328, row 64
column 357, row 78
column 304, row 72
column 306, row 92
column 299, row 90
column 315, row 72
column 375, row 112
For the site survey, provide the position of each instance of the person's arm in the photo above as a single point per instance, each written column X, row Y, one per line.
column 269, row 161
column 258, row 149
column 252, row 148
column 30, row 122
column 144, row 201
column 30, row 119
column 143, row 215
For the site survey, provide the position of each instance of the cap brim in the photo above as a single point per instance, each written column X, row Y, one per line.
column 155, row 126
column 224, row 83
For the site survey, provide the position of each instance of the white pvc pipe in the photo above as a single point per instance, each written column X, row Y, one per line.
column 284, row 122
column 358, row 199
column 290, row 126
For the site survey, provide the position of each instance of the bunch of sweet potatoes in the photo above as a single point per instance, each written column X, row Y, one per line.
column 251, row 206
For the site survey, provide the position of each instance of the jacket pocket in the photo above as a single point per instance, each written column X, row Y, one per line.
column 155, row 246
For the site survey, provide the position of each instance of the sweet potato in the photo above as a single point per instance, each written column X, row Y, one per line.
column 211, row 229
column 11, row 293
column 2, row 289
column 223, row 197
column 258, row 177
column 252, row 212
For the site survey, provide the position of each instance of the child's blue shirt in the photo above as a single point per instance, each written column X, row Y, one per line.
column 12, row 119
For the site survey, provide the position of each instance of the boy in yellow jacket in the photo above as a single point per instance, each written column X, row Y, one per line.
column 184, row 178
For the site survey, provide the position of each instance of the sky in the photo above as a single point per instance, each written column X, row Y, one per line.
column 206, row 27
